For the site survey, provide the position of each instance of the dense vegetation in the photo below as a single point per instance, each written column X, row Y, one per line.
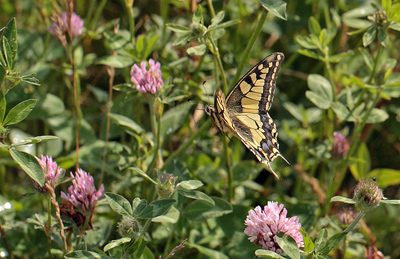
column 114, row 92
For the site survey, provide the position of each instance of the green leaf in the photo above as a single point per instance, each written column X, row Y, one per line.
column 126, row 122
column 19, row 112
column 319, row 101
column 275, row 7
column 80, row 254
column 268, row 254
column 178, row 28
column 386, row 5
column 394, row 13
column 377, row 116
column 294, row 110
column 183, row 39
column 10, row 33
column 369, row 36
column 33, row 140
column 116, row 243
column 150, row 45
column 333, row 242
column 198, row 15
column 222, row 26
column 116, row 61
column 3, row 106
column 321, row 240
column 7, row 53
column 309, row 53
column 140, row 171
column 383, row 37
column 155, row 209
column 217, row 18
column 197, row 50
column 342, row 112
column 194, row 194
column 190, row 184
column 305, row 42
column 138, row 205
column 385, row 177
column 393, row 202
column 313, row 26
column 289, row 246
column 201, row 210
column 361, row 167
column 308, row 243
column 172, row 216
column 320, row 85
column 29, row 164
column 174, row 118
column 342, row 199
column 119, row 204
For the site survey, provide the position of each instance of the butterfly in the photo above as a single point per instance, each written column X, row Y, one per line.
column 244, row 112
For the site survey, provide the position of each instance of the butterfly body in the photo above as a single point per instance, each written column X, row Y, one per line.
column 244, row 112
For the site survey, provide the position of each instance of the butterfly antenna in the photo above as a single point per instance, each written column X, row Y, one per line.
column 205, row 90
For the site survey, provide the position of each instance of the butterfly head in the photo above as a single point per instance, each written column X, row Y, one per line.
column 209, row 110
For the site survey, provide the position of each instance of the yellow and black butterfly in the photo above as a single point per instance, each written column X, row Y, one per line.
column 244, row 112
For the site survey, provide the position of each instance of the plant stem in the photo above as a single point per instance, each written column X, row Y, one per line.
column 156, row 127
column 111, row 73
column 375, row 64
column 354, row 223
column 249, row 47
column 211, row 7
column 49, row 226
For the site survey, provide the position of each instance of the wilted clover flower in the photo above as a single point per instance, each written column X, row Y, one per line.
column 341, row 145
column 367, row 195
column 264, row 225
column 51, row 170
column 147, row 81
column 82, row 194
column 76, row 25
column 347, row 216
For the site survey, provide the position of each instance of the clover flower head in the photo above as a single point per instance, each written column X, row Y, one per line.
column 341, row 145
column 76, row 25
column 264, row 224
column 51, row 170
column 367, row 195
column 147, row 81
column 83, row 194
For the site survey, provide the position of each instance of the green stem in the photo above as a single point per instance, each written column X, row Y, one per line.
column 327, row 15
column 89, row 14
column 156, row 127
column 229, row 168
column 98, row 13
column 354, row 223
column 83, row 229
column 249, row 47
column 375, row 64
column 211, row 7
column 329, row 71
column 49, row 226
column 129, row 9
